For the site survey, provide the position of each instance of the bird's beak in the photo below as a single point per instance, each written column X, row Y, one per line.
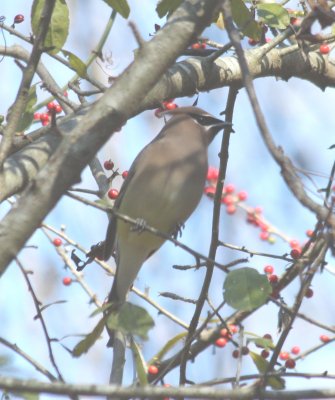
column 222, row 125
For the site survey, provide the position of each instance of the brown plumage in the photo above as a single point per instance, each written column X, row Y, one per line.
column 163, row 187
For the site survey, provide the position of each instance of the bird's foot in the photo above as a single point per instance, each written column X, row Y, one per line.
column 139, row 226
column 95, row 252
column 178, row 231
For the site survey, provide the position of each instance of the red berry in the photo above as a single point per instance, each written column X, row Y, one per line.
column 295, row 350
column 18, row 19
column 212, row 174
column 37, row 116
column 152, row 370
column 258, row 210
column 267, row 336
column 220, row 342
column 324, row 338
column 233, row 328
column 230, row 209
column 245, row 350
column 196, row 46
column 203, row 45
column 230, row 188
column 44, row 117
column 124, row 174
column 268, row 269
column 295, row 253
column 209, row 191
column 242, row 195
column 294, row 244
column 236, row 354
column 309, row 293
column 290, row 363
column 51, row 106
column 225, row 333
column 112, row 194
column 67, row 281
column 170, row 106
column 45, row 123
column 57, row 242
column 263, row 226
column 109, row 165
column 228, row 199
column 309, row 232
column 58, row 108
column 265, row 353
column 284, row 355
column 273, row 278
column 324, row 48
column 264, row 235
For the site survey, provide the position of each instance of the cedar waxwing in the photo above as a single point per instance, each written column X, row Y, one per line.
column 163, row 187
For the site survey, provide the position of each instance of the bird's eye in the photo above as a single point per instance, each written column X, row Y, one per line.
column 205, row 120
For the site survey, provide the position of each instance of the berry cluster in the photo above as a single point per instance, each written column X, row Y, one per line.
column 109, row 166
column 229, row 198
column 226, row 335
column 201, row 44
column 52, row 108
column 273, row 279
column 283, row 355
column 254, row 215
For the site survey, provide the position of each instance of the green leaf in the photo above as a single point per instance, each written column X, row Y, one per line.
column 273, row 15
column 58, row 27
column 76, row 63
column 84, row 345
column 168, row 346
column 131, row 319
column 165, row 7
column 120, row 6
column 141, row 365
column 245, row 20
column 246, row 289
column 263, row 342
column 101, row 309
column 28, row 115
column 220, row 21
column 262, row 366
column 49, row 305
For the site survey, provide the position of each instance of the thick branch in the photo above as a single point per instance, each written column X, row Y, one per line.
column 94, row 129
column 151, row 392
column 183, row 79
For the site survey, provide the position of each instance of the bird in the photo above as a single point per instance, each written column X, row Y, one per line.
column 163, row 187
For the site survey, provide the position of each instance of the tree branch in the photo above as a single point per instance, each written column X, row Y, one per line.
column 117, row 105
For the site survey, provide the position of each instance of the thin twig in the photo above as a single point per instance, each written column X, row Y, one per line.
column 22, row 97
column 27, row 357
column 148, row 228
column 215, row 233
column 41, row 318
